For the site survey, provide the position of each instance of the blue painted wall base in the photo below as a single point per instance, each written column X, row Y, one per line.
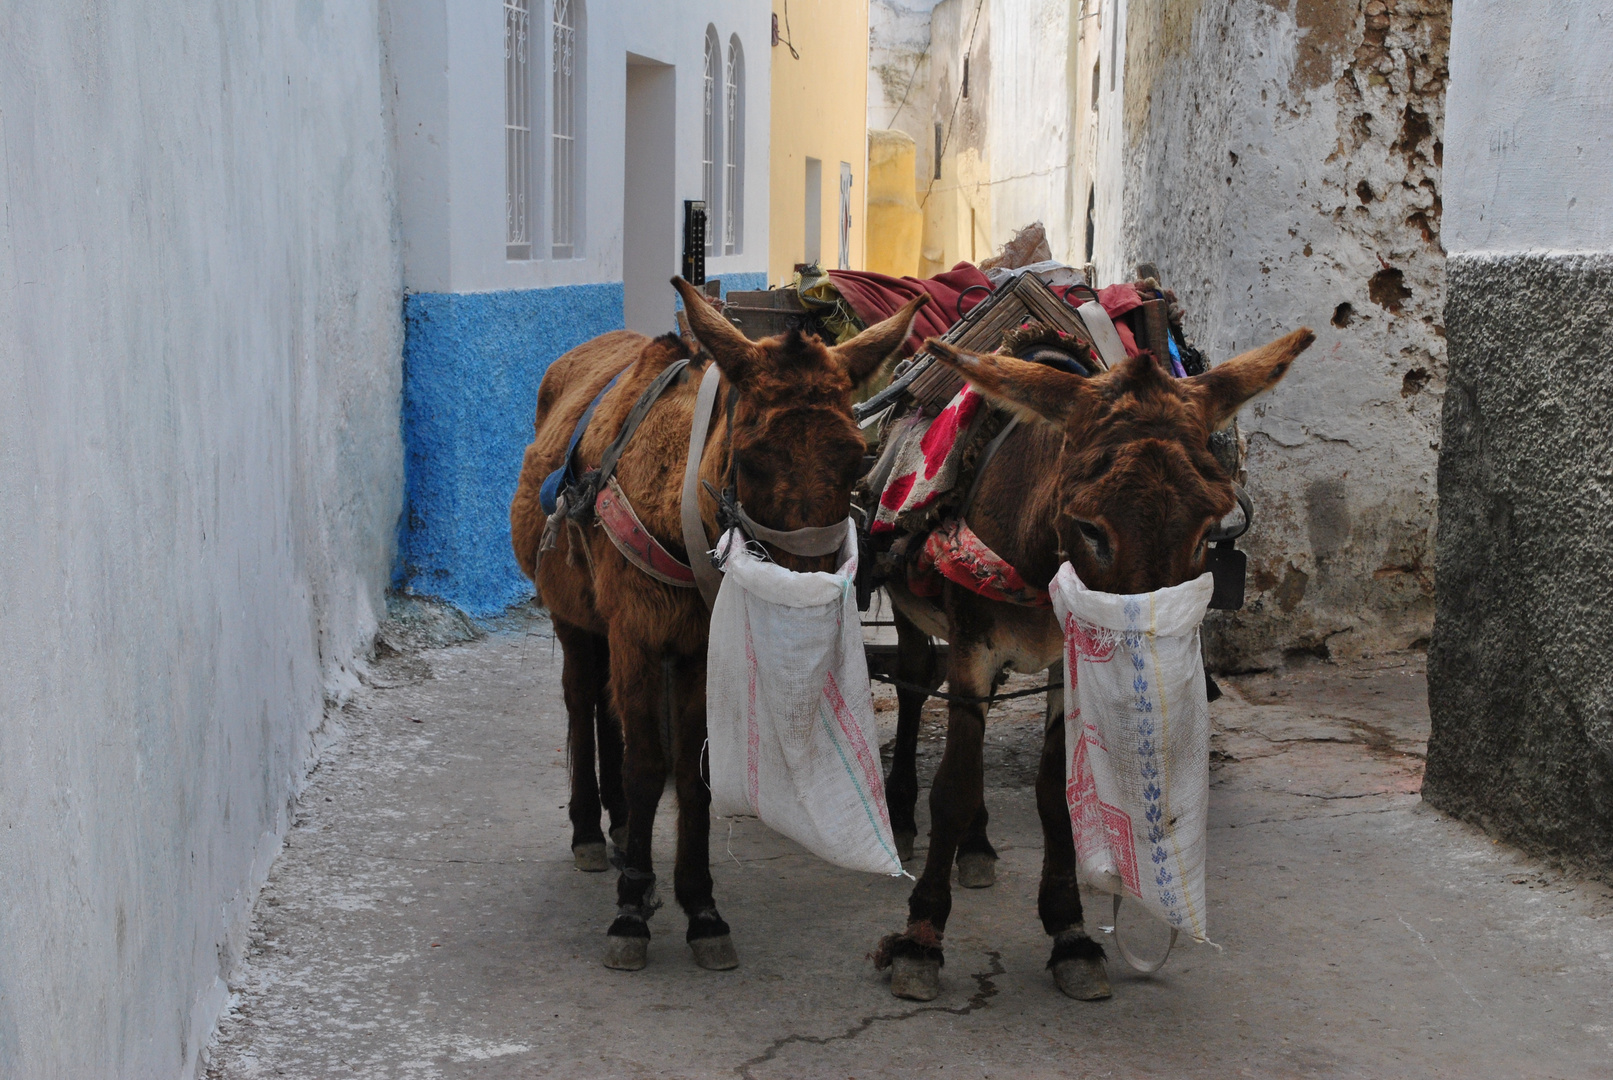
column 471, row 367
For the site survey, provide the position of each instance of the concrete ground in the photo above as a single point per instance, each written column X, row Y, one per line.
column 425, row 919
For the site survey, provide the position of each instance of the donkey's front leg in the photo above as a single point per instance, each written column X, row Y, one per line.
column 1077, row 960
column 956, row 796
column 638, row 704
column 708, row 935
column 915, row 663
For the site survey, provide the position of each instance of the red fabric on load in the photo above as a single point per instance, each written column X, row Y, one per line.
column 1119, row 299
column 875, row 297
column 879, row 296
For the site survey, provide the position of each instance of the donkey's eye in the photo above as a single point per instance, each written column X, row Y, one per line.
column 1097, row 539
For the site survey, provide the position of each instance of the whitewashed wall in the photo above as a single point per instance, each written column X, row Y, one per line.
column 449, row 64
column 1033, row 124
column 199, row 486
column 1529, row 164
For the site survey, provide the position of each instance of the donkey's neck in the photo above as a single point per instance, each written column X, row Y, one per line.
column 1016, row 506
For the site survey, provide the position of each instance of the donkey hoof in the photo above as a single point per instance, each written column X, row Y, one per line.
column 715, row 953
column 904, row 845
column 977, row 870
column 1083, row 980
column 618, row 837
column 915, row 978
column 627, row 953
column 590, row 857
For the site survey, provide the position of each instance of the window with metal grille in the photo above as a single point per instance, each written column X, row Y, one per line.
column 517, row 130
column 711, row 143
column 566, row 179
column 733, row 206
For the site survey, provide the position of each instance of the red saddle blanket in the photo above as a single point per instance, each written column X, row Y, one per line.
column 957, row 554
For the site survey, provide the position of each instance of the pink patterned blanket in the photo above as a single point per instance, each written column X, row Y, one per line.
column 923, row 458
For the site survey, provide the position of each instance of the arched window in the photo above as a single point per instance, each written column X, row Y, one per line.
column 566, row 129
column 518, row 129
column 734, row 117
column 711, row 143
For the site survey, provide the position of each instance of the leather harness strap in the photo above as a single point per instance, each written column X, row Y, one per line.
column 634, row 541
column 695, row 540
column 566, row 475
column 986, row 455
column 641, row 409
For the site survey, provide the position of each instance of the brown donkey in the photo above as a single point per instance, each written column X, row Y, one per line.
column 1113, row 473
column 635, row 647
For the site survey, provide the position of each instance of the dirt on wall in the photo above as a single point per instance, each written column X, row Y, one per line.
column 1283, row 168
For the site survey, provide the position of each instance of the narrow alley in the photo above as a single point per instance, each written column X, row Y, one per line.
column 425, row 919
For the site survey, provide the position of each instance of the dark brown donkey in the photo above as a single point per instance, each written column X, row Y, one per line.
column 1113, row 473
column 635, row 648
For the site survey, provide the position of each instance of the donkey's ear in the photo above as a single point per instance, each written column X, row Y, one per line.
column 736, row 355
column 1221, row 391
column 861, row 356
column 1035, row 391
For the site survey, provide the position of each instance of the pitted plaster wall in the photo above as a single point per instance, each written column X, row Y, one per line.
column 200, row 477
column 1282, row 168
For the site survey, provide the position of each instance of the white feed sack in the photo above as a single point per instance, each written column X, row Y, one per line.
column 1137, row 736
column 789, row 714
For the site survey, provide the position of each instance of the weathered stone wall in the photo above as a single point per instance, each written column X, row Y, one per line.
column 1282, row 168
column 1520, row 680
column 1520, row 686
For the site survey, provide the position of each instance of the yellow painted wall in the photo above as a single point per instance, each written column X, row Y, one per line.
column 819, row 110
column 895, row 222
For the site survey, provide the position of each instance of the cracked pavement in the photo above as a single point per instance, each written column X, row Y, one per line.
column 424, row 919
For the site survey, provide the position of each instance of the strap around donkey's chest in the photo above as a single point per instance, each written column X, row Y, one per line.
column 634, row 541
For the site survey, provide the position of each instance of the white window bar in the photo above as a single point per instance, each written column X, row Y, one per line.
column 709, row 144
column 517, row 130
column 733, row 164
column 564, row 129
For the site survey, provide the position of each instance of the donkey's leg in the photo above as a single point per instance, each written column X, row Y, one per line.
column 977, row 859
column 582, row 682
column 636, row 694
column 1077, row 960
column 955, row 798
column 610, row 757
column 708, row 935
column 915, row 663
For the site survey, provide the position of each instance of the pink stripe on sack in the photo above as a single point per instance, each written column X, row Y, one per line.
column 859, row 745
column 753, row 736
